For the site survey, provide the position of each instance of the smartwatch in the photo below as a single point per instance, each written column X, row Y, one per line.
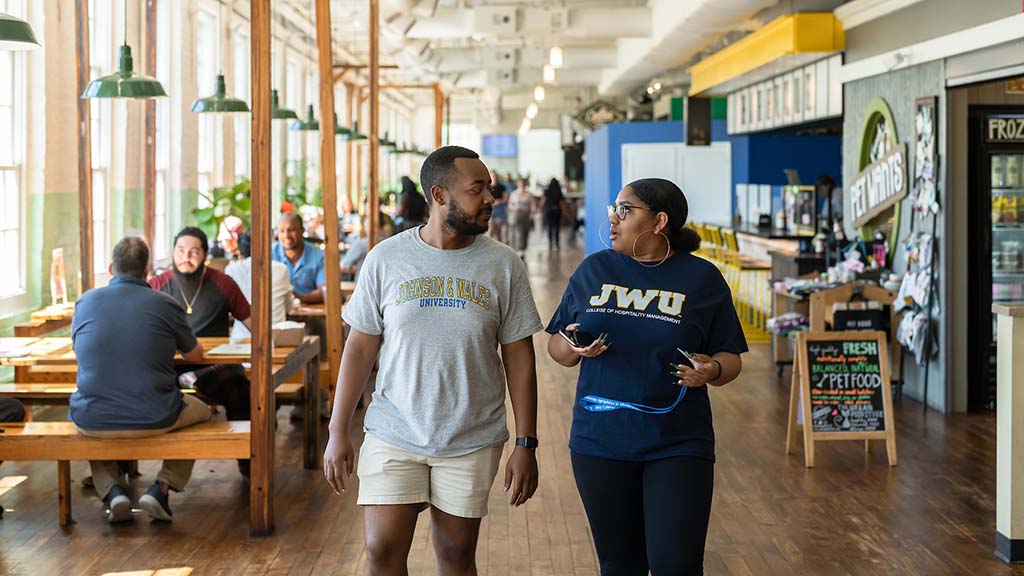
column 527, row 442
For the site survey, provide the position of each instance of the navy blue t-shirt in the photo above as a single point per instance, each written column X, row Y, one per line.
column 647, row 313
column 125, row 336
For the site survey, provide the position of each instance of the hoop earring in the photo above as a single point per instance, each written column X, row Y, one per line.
column 668, row 248
column 601, row 238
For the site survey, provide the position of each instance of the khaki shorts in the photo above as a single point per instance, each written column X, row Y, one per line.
column 458, row 485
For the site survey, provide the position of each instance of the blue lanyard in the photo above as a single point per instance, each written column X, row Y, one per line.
column 601, row 404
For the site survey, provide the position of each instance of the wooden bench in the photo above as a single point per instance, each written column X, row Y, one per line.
column 60, row 441
column 58, row 393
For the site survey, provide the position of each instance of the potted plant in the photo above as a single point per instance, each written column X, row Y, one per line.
column 224, row 202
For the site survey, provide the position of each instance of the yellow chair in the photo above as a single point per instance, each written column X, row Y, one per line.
column 749, row 281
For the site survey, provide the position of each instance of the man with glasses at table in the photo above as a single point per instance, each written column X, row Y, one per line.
column 125, row 337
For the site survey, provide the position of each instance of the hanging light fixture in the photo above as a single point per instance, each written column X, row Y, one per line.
column 555, row 57
column 279, row 113
column 125, row 83
column 549, row 74
column 220, row 102
column 310, row 124
column 16, row 34
column 340, row 130
column 531, row 111
column 539, row 94
column 525, row 126
column 354, row 135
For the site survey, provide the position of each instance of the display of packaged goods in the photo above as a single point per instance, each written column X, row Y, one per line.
column 998, row 171
column 1009, row 212
column 1012, row 177
column 1007, row 291
column 1011, row 255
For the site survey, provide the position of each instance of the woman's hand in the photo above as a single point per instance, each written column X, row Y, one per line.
column 705, row 371
column 595, row 349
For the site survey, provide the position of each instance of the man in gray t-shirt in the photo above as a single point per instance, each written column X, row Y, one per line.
column 437, row 302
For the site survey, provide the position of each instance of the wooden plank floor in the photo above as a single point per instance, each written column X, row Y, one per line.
column 933, row 514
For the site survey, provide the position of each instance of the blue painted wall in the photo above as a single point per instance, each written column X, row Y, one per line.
column 756, row 159
column 602, row 171
column 761, row 158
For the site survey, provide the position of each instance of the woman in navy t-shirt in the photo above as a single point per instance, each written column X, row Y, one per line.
column 642, row 453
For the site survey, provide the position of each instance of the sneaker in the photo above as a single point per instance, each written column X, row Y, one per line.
column 156, row 503
column 120, row 507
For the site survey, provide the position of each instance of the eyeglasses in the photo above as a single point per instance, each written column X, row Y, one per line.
column 622, row 210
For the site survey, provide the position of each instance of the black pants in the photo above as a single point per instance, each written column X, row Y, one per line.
column 227, row 385
column 11, row 410
column 553, row 220
column 647, row 515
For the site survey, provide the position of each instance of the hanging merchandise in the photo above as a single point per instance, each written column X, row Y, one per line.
column 925, row 198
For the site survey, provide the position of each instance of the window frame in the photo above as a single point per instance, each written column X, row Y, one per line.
column 18, row 298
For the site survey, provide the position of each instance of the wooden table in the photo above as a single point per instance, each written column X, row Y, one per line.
column 286, row 360
column 46, row 320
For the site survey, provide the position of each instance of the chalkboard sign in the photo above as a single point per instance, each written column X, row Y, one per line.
column 841, row 390
column 845, row 386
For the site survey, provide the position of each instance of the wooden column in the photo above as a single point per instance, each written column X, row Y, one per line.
column 448, row 118
column 438, row 114
column 149, row 192
column 374, row 151
column 328, row 179
column 261, row 486
column 85, row 246
column 349, row 116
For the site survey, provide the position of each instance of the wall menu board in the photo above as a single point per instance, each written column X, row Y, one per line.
column 841, row 390
column 845, row 386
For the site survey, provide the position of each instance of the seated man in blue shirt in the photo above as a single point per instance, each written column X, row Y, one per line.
column 304, row 260
column 125, row 337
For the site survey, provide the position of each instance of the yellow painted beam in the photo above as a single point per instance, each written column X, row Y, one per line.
column 786, row 35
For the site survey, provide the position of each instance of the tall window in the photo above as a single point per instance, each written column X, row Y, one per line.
column 240, row 61
column 101, row 62
column 12, row 152
column 161, row 240
column 206, row 70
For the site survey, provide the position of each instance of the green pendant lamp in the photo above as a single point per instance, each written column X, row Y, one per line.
column 310, row 124
column 279, row 113
column 125, row 83
column 16, row 34
column 340, row 130
column 386, row 143
column 220, row 102
column 355, row 135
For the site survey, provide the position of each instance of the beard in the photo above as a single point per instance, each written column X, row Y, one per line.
column 462, row 222
column 188, row 278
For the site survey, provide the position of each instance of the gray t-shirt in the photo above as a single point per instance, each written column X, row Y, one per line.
column 443, row 313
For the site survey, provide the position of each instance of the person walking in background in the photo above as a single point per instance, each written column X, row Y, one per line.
column 642, row 442
column 499, row 214
column 412, row 209
column 552, row 207
column 520, row 210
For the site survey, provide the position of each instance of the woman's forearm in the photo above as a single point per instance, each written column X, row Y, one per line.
column 731, row 365
column 560, row 352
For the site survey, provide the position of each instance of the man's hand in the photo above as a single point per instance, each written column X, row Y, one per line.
column 339, row 459
column 520, row 475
